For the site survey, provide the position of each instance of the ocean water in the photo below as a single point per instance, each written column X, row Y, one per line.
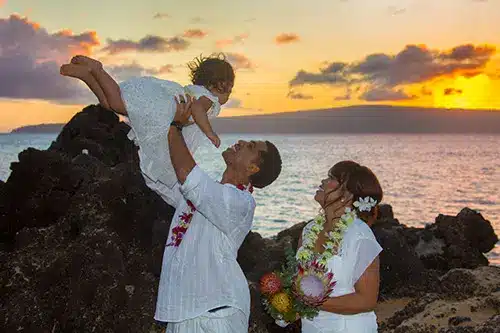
column 422, row 175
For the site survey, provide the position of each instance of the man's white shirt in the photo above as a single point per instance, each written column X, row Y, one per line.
column 203, row 273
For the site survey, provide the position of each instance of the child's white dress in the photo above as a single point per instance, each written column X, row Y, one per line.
column 151, row 107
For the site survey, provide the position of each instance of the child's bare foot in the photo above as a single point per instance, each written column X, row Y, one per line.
column 74, row 70
column 87, row 61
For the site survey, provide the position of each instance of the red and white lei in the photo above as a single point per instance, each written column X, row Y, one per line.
column 185, row 218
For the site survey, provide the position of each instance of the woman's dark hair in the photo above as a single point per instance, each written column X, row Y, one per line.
column 213, row 71
column 270, row 167
column 360, row 181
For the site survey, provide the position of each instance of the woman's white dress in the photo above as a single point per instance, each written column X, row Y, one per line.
column 151, row 107
column 358, row 250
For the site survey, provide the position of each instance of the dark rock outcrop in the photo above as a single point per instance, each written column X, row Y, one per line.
column 413, row 258
column 82, row 237
column 449, row 310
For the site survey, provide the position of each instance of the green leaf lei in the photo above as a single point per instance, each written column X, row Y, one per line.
column 334, row 238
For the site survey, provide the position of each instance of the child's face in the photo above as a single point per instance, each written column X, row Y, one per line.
column 224, row 97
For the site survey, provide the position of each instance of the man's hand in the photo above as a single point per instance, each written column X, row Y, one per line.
column 181, row 158
column 183, row 109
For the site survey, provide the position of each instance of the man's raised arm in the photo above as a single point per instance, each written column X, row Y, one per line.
column 181, row 157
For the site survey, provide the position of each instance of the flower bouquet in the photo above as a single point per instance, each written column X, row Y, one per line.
column 299, row 289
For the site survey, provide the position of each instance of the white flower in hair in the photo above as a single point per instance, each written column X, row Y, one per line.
column 365, row 205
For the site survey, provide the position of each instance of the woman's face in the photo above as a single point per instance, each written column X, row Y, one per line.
column 324, row 193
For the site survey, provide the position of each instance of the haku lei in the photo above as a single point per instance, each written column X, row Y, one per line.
column 185, row 218
column 334, row 237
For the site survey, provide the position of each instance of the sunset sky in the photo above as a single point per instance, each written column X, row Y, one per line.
column 289, row 55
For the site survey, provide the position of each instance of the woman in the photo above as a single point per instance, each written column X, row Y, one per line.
column 347, row 247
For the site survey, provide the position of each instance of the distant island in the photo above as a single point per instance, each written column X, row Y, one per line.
column 352, row 119
column 41, row 128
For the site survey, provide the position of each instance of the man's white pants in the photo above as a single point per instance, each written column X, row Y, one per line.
column 223, row 321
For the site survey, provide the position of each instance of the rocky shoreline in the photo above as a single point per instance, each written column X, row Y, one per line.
column 81, row 241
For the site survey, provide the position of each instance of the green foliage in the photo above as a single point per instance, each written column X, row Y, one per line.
column 287, row 274
column 290, row 268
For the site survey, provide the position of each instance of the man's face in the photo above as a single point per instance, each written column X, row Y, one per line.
column 243, row 155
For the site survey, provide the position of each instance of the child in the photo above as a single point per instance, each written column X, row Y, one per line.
column 150, row 104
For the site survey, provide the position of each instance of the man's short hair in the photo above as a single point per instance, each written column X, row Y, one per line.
column 270, row 167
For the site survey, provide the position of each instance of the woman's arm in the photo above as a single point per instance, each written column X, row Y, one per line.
column 364, row 299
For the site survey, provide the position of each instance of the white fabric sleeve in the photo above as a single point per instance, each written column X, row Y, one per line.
column 172, row 195
column 199, row 91
column 368, row 249
column 361, row 252
column 224, row 206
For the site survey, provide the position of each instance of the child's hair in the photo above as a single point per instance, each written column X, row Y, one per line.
column 213, row 71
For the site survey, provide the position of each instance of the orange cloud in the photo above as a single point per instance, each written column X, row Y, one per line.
column 286, row 38
column 166, row 69
column 17, row 29
column 452, row 91
column 297, row 95
column 235, row 40
column 30, row 58
column 194, row 33
column 134, row 69
column 383, row 76
column 158, row 16
column 86, row 41
column 239, row 61
column 150, row 43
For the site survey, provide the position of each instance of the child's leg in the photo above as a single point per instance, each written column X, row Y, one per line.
column 83, row 73
column 107, row 83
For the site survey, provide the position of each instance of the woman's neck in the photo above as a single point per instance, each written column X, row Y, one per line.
column 332, row 216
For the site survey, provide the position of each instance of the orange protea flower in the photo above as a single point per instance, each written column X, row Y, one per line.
column 281, row 302
column 313, row 284
column 270, row 284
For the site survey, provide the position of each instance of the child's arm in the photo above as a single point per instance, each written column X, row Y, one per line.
column 199, row 110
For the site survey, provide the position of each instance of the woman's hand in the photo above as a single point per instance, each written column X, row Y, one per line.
column 337, row 200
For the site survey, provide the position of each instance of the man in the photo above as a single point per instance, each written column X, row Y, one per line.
column 202, row 287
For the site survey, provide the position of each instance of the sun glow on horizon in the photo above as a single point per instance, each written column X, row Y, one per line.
column 464, row 93
column 298, row 61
